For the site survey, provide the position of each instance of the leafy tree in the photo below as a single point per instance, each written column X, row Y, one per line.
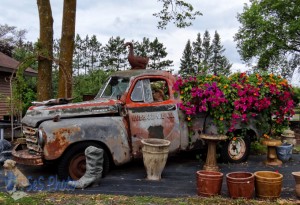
column 10, row 38
column 186, row 62
column 89, row 84
column 270, row 34
column 177, row 11
column 218, row 63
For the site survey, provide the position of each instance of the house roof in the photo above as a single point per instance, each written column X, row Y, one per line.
column 8, row 64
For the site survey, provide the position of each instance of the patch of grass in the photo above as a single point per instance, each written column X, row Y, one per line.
column 296, row 149
column 258, row 149
column 101, row 199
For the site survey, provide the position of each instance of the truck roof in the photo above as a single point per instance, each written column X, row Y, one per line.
column 140, row 72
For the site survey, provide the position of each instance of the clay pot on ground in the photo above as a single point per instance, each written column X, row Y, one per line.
column 268, row 184
column 240, row 184
column 297, row 180
column 284, row 152
column 155, row 155
column 209, row 183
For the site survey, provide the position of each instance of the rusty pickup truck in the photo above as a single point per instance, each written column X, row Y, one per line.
column 125, row 110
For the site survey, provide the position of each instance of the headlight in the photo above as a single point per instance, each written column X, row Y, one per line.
column 41, row 137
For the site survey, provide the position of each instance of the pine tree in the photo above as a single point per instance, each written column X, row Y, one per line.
column 143, row 48
column 186, row 62
column 94, row 48
column 114, row 56
column 207, row 49
column 218, row 63
column 197, row 52
column 158, row 52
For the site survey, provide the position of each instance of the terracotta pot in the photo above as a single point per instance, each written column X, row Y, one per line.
column 209, row 183
column 297, row 180
column 284, row 152
column 268, row 184
column 155, row 155
column 240, row 184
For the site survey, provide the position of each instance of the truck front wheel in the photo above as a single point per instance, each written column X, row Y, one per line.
column 235, row 150
column 72, row 164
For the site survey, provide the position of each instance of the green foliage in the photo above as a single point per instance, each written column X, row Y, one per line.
column 10, row 38
column 219, row 65
column 296, row 96
column 204, row 57
column 88, row 84
column 186, row 62
column 179, row 12
column 61, row 198
column 22, row 93
column 114, row 56
column 157, row 53
column 269, row 33
column 258, row 148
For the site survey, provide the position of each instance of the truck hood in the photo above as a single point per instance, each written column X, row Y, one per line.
column 37, row 114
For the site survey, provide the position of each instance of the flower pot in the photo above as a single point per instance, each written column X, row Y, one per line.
column 284, row 152
column 268, row 184
column 209, row 183
column 297, row 180
column 240, row 184
column 155, row 154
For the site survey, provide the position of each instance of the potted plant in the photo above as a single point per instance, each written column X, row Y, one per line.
column 267, row 98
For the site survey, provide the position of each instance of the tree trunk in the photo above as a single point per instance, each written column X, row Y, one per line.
column 66, row 49
column 44, row 88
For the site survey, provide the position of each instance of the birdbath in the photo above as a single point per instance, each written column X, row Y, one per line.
column 211, row 158
column 272, row 155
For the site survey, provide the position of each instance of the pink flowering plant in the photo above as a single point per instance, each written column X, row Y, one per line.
column 239, row 98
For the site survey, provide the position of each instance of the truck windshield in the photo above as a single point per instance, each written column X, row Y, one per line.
column 113, row 88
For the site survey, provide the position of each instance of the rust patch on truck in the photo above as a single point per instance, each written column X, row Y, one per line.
column 54, row 148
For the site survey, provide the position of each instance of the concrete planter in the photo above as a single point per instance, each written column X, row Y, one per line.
column 155, row 155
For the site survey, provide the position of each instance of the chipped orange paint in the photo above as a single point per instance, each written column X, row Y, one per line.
column 55, row 148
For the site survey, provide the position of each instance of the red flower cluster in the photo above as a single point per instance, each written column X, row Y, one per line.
column 237, row 98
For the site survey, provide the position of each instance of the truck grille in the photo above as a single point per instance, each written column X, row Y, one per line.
column 32, row 140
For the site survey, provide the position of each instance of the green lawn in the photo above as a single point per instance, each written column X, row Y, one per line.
column 44, row 198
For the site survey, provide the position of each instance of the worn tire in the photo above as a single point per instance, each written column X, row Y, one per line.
column 72, row 163
column 235, row 151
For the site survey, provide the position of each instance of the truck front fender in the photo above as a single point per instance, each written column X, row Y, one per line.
column 111, row 131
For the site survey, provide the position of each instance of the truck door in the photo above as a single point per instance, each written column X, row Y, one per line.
column 152, row 113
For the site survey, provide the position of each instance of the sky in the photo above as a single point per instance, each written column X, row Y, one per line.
column 133, row 20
